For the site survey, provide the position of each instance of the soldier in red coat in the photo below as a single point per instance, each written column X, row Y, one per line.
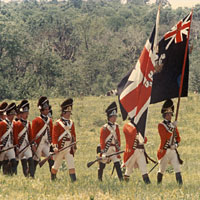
column 134, row 156
column 42, row 127
column 63, row 135
column 8, row 138
column 3, row 107
column 24, row 136
column 110, row 142
column 167, row 152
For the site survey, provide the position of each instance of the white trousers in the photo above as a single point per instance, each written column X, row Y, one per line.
column 42, row 150
column 26, row 154
column 137, row 160
column 10, row 154
column 169, row 158
column 114, row 159
column 58, row 158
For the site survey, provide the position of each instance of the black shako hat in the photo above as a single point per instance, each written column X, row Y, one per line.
column 43, row 103
column 24, row 106
column 11, row 109
column 168, row 107
column 66, row 106
column 3, row 107
column 111, row 110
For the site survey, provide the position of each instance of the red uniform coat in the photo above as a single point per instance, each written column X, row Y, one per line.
column 37, row 125
column 3, row 129
column 20, row 127
column 165, row 135
column 104, row 133
column 58, row 130
column 130, row 133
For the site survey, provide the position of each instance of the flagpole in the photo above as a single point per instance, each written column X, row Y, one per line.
column 183, row 71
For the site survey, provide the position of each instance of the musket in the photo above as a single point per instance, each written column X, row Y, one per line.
column 42, row 162
column 152, row 168
column 8, row 148
column 89, row 164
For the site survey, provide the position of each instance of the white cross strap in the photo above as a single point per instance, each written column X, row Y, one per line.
column 66, row 130
column 7, row 132
column 23, row 130
column 43, row 128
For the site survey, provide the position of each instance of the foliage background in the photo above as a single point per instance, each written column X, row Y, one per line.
column 74, row 47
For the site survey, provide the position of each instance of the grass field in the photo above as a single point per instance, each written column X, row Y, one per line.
column 89, row 116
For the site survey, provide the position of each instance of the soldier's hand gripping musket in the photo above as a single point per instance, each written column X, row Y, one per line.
column 41, row 163
column 89, row 164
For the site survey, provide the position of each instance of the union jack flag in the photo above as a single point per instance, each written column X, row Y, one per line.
column 134, row 90
column 177, row 32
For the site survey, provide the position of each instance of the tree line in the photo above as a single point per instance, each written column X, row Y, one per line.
column 74, row 47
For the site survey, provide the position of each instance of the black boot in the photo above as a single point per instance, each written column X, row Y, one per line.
column 13, row 166
column 179, row 178
column 17, row 162
column 31, row 167
column 35, row 165
column 24, row 167
column 73, row 177
column 1, row 163
column 159, row 178
column 119, row 171
column 126, row 178
column 100, row 170
column 146, row 178
column 6, row 167
column 51, row 163
column 53, row 176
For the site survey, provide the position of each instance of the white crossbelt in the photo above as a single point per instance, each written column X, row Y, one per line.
column 66, row 130
column 43, row 128
column 7, row 132
column 23, row 130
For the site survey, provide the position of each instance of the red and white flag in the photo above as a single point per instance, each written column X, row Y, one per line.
column 134, row 90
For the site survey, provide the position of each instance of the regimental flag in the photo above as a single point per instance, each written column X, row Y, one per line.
column 171, row 52
column 134, row 90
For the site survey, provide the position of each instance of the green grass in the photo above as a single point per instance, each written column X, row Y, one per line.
column 89, row 116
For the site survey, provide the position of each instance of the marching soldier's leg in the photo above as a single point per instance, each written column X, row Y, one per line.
column 141, row 161
column 6, row 167
column 159, row 178
column 51, row 163
column 176, row 165
column 17, row 162
column 58, row 161
column 24, row 167
column 36, row 157
column 162, row 166
column 46, row 151
column 13, row 166
column 100, row 170
column 119, row 171
column 1, row 162
column 72, row 174
column 146, row 178
column 70, row 163
column 53, row 173
column 31, row 167
column 11, row 156
column 179, row 178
